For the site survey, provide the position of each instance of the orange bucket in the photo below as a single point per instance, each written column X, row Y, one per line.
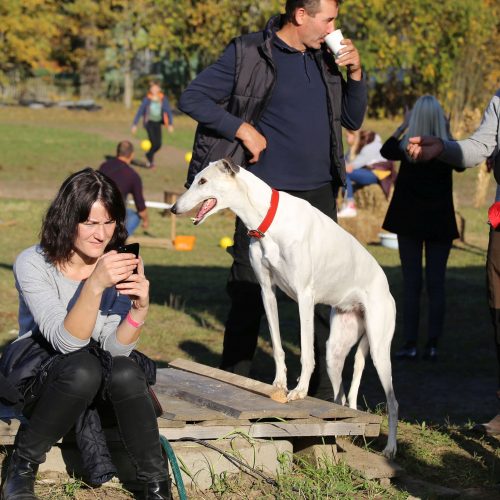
column 184, row 243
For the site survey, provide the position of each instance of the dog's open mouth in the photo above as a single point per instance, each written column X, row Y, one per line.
column 204, row 209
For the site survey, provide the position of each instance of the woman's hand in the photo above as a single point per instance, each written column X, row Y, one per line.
column 112, row 268
column 137, row 288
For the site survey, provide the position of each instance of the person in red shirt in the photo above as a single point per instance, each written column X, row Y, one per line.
column 129, row 182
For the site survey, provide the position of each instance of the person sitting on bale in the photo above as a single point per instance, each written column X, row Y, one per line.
column 81, row 312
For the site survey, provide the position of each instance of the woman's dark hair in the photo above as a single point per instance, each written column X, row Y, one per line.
column 72, row 206
column 365, row 137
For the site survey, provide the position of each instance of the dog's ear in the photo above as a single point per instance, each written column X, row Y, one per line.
column 229, row 166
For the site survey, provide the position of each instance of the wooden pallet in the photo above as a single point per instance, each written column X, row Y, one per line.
column 205, row 407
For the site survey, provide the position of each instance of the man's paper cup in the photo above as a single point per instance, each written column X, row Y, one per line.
column 333, row 41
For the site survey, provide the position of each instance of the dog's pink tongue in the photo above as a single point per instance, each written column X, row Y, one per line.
column 205, row 208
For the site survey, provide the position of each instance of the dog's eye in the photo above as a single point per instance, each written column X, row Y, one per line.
column 202, row 181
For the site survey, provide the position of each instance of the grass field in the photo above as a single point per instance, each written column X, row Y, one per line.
column 438, row 402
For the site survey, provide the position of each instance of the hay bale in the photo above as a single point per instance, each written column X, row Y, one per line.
column 371, row 198
column 371, row 205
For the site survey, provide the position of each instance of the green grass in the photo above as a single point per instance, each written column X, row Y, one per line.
column 41, row 146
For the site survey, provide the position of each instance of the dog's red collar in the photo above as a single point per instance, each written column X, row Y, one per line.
column 268, row 219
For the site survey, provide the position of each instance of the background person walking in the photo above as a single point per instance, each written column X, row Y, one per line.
column 155, row 111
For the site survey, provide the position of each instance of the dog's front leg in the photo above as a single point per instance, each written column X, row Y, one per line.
column 306, row 311
column 271, row 308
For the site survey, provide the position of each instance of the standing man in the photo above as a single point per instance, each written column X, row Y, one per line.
column 155, row 112
column 482, row 145
column 129, row 182
column 275, row 102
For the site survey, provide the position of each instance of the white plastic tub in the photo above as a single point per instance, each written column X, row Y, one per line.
column 389, row 240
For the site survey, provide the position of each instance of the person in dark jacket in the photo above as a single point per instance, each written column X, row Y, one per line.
column 129, row 182
column 81, row 311
column 422, row 214
column 275, row 102
column 483, row 144
column 155, row 111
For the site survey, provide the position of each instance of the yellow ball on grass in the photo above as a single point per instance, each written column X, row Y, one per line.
column 225, row 242
column 146, row 145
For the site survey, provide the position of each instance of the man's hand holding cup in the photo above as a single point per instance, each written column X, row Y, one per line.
column 346, row 54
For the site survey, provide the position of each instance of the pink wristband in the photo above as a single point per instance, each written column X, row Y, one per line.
column 131, row 321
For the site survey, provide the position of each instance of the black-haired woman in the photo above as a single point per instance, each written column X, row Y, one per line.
column 81, row 309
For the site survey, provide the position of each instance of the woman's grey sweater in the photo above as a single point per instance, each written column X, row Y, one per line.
column 46, row 296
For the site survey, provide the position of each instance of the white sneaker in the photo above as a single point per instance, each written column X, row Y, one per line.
column 347, row 212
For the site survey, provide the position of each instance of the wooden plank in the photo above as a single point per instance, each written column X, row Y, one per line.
column 267, row 430
column 234, row 422
column 325, row 409
column 9, row 430
column 223, row 397
column 177, row 409
column 267, row 390
column 372, row 430
column 365, row 417
column 151, row 242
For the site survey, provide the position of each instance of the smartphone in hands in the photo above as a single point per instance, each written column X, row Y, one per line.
column 130, row 248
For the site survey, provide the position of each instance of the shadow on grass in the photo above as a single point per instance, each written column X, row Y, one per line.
column 458, row 387
column 190, row 288
column 445, row 456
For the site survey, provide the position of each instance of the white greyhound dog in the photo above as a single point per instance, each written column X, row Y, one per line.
column 314, row 261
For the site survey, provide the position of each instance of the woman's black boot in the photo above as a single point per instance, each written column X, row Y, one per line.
column 20, row 480
column 158, row 490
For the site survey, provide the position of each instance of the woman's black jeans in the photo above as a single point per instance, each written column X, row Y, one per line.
column 72, row 384
column 436, row 257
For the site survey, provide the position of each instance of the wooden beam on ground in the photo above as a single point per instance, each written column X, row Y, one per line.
column 248, row 384
column 267, row 430
column 7, row 223
column 151, row 242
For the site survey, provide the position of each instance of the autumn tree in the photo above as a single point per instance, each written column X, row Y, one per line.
column 27, row 31
column 412, row 48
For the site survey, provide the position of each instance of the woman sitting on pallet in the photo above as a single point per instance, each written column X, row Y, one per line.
column 82, row 305
column 365, row 166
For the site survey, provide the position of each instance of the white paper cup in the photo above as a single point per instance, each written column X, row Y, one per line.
column 333, row 41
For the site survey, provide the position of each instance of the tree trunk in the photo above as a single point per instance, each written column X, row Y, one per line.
column 128, row 87
column 90, row 78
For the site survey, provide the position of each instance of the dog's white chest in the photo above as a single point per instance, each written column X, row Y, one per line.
column 266, row 258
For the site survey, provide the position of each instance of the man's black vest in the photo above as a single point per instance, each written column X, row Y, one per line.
column 254, row 83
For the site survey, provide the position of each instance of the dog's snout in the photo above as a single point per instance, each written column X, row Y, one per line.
column 174, row 208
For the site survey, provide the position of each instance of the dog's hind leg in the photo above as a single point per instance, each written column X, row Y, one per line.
column 359, row 366
column 306, row 311
column 380, row 323
column 344, row 333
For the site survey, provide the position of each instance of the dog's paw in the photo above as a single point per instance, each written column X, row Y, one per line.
column 280, row 383
column 389, row 452
column 296, row 394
